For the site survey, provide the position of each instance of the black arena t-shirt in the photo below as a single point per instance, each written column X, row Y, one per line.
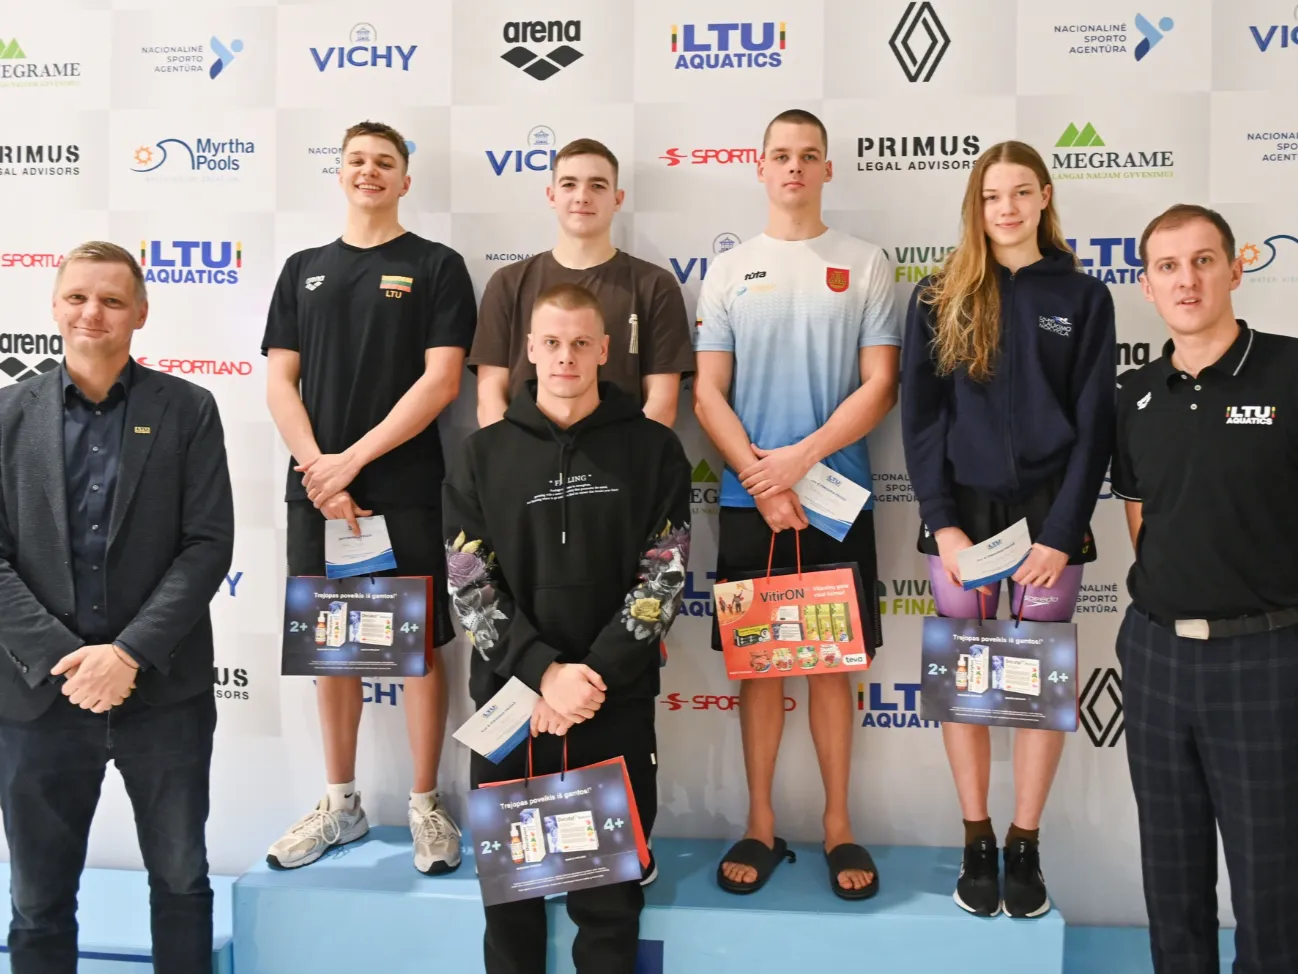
column 361, row 320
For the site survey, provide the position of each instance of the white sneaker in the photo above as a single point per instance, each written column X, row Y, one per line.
column 317, row 832
column 436, row 837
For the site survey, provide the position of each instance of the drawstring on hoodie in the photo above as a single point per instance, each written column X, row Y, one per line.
column 564, row 444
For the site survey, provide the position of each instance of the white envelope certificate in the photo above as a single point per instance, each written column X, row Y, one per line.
column 347, row 554
column 502, row 724
column 830, row 500
column 996, row 558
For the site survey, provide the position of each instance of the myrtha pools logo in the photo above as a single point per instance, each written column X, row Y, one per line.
column 204, row 155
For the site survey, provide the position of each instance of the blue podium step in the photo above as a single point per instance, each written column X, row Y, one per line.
column 113, row 921
column 364, row 907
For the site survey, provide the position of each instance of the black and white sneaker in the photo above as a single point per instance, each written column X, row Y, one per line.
column 979, row 890
column 1025, row 887
column 649, row 872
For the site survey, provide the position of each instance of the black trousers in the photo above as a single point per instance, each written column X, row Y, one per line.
column 607, row 917
column 51, row 769
column 1212, row 741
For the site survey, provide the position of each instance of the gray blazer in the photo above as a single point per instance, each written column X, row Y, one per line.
column 170, row 539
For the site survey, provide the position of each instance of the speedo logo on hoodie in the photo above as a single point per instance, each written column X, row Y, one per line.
column 1053, row 323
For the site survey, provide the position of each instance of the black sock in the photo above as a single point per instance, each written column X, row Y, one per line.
column 973, row 831
column 1027, row 835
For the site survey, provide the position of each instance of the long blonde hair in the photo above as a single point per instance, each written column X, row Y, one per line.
column 965, row 292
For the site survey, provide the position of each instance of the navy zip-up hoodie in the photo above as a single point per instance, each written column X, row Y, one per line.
column 1046, row 414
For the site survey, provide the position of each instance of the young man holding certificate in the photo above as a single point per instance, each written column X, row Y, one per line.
column 567, row 530
column 797, row 341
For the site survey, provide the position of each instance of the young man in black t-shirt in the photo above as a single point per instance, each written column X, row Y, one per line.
column 374, row 327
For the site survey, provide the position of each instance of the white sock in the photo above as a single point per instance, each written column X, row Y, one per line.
column 342, row 796
column 422, row 797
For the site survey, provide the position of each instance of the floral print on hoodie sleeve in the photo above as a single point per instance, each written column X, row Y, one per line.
column 470, row 570
column 653, row 603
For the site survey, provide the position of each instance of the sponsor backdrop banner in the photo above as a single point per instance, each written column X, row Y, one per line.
column 206, row 141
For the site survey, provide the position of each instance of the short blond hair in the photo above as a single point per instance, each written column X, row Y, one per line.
column 567, row 296
column 104, row 252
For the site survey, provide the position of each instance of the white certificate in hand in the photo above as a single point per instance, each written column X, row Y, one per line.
column 347, row 555
column 830, row 500
column 502, row 724
column 996, row 558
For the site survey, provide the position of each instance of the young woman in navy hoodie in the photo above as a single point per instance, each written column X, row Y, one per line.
column 1007, row 400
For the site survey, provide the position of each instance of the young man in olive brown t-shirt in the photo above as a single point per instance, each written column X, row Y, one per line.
column 650, row 346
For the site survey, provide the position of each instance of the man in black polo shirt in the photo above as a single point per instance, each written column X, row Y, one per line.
column 1207, row 461
column 374, row 328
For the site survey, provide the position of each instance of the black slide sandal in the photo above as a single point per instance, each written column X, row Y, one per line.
column 754, row 853
column 847, row 856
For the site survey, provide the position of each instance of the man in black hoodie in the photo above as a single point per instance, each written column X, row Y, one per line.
column 568, row 539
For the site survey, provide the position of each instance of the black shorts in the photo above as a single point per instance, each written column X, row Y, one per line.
column 981, row 516
column 416, row 533
column 744, row 546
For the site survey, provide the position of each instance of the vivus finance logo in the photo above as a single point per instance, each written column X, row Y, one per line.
column 17, row 70
column 909, row 597
column 1092, row 159
column 705, row 489
column 896, row 707
column 24, row 355
column 914, row 262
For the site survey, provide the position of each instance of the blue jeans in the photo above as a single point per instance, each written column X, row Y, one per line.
column 51, row 769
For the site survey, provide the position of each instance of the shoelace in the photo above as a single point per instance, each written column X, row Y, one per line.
column 318, row 825
column 434, row 825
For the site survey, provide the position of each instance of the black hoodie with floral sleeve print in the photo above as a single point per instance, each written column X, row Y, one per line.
column 568, row 545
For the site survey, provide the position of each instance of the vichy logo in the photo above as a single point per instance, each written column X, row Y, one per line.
column 1055, row 324
column 919, row 42
column 537, row 157
column 314, row 282
column 540, row 32
column 1250, row 415
column 1143, row 401
column 39, row 160
column 18, row 71
column 1102, row 696
column 704, row 47
column 683, row 272
column 232, row 584
column 1282, row 35
column 39, row 353
column 916, row 152
column 364, row 52
column 205, row 155
column 191, row 261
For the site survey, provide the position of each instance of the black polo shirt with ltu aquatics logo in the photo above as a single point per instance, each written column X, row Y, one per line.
column 1213, row 461
column 361, row 319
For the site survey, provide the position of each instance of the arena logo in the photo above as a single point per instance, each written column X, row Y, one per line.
column 363, row 51
column 542, row 67
column 1100, row 707
column 1098, row 598
column 710, row 701
column 196, row 366
column 913, row 263
column 685, row 271
column 705, row 489
column 914, row 153
column 1271, row 262
column 1280, row 145
column 705, row 157
column 910, row 597
column 30, row 260
column 900, row 714
column 892, row 487
column 40, row 160
column 919, row 42
column 203, row 156
column 697, row 602
column 1100, row 259
column 17, row 70
column 538, row 156
column 192, row 58
column 24, row 355
column 709, row 47
column 191, row 261
column 230, row 683
column 1131, row 354
column 1109, row 164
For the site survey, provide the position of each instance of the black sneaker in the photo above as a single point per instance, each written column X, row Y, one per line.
column 979, row 890
column 1025, row 887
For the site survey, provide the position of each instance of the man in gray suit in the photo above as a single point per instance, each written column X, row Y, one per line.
column 116, row 529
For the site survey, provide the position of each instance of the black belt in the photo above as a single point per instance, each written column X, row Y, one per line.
column 1226, row 628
